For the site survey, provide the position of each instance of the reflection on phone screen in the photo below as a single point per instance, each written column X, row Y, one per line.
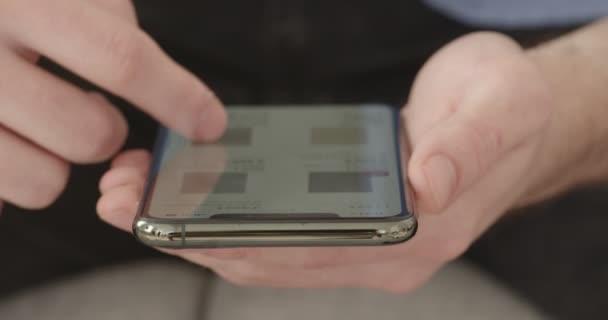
column 329, row 160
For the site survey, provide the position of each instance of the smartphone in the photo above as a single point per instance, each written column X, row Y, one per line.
column 330, row 175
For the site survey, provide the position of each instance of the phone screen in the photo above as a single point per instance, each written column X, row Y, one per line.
column 283, row 161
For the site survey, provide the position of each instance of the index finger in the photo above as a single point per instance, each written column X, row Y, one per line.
column 106, row 49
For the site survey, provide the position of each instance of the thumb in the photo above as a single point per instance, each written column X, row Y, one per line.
column 492, row 121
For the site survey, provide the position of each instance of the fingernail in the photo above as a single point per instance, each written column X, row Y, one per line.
column 212, row 120
column 441, row 178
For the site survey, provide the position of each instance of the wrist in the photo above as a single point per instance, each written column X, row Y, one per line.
column 574, row 149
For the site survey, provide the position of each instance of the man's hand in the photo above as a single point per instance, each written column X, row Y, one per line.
column 486, row 128
column 46, row 123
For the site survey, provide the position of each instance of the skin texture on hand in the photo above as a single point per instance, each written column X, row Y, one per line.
column 479, row 113
column 46, row 123
column 577, row 69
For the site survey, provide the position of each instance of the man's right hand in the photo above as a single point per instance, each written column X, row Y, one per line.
column 46, row 123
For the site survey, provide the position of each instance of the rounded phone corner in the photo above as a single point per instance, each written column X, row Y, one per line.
column 156, row 234
column 400, row 231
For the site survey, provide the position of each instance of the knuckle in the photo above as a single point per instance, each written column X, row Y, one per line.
column 48, row 185
column 125, row 49
column 488, row 48
column 502, row 81
column 103, row 137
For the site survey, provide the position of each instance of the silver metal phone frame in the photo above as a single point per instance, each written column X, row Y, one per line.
column 272, row 233
column 277, row 233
